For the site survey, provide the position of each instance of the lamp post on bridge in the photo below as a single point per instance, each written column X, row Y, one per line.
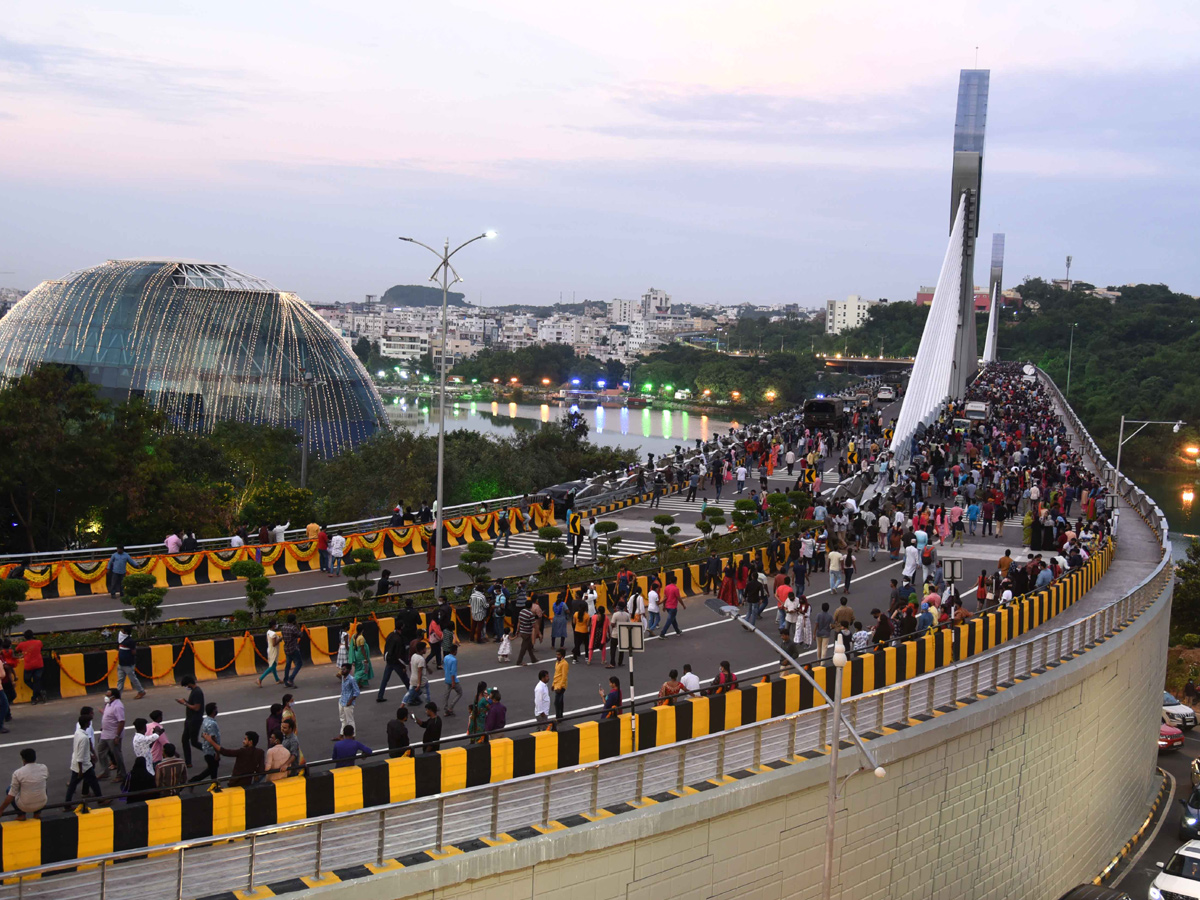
column 444, row 270
column 838, row 719
column 1122, row 441
column 1070, row 354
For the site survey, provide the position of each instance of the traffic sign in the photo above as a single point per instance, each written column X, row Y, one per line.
column 631, row 637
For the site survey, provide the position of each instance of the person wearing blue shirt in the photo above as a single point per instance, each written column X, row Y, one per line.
column 1045, row 576
column 117, row 566
column 972, row 516
column 453, row 688
column 347, row 749
column 925, row 619
column 349, row 694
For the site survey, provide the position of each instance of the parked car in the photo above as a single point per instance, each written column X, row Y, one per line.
column 1178, row 714
column 886, row 394
column 1180, row 875
column 1169, row 737
column 1189, row 819
column 1094, row 892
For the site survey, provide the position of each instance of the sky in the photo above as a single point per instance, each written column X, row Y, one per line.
column 770, row 152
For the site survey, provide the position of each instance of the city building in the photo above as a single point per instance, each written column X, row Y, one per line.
column 201, row 343
column 404, row 346
column 625, row 312
column 842, row 315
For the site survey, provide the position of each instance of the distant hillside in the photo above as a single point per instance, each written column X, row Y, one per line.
column 420, row 295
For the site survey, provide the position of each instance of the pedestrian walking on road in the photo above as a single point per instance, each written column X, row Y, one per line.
column 561, row 673
column 395, row 659
column 558, row 628
column 112, row 727
column 210, row 735
column 541, row 699
column 290, row 635
column 397, row 734
column 273, row 640
column 450, row 676
column 83, row 761
column 525, row 631
column 672, row 602
column 127, row 662
column 478, row 714
column 349, row 694
column 418, row 677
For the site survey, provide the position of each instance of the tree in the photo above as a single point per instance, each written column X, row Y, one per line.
column 553, row 550
column 358, row 575
column 60, row 456
column 606, row 527
column 745, row 513
column 665, row 532
column 715, row 517
column 474, row 560
column 258, row 585
column 1185, row 604
column 144, row 598
column 12, row 592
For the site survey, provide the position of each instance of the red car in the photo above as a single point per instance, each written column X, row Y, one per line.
column 1169, row 738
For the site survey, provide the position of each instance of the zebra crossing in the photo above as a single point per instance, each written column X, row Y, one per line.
column 628, row 545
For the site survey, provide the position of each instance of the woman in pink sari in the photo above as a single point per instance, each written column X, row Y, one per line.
column 942, row 523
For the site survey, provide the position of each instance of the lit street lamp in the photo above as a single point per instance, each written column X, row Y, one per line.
column 444, row 270
column 1122, row 441
column 835, row 702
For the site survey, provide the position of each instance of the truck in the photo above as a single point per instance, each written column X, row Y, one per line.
column 977, row 411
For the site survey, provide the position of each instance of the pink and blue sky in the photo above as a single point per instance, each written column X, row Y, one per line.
column 763, row 151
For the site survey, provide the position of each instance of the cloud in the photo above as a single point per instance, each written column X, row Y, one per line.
column 151, row 88
column 762, row 116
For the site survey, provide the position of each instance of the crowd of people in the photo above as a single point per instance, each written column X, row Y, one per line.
column 1014, row 465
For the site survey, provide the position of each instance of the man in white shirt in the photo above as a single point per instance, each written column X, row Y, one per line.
column 652, row 608
column 83, row 761
column 741, row 478
column 541, row 698
column 690, row 682
column 337, row 550
column 236, row 541
column 281, row 531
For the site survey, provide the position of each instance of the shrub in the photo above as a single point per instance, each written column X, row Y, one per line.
column 258, row 585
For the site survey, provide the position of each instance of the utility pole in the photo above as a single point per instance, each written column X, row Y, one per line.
column 1068, row 273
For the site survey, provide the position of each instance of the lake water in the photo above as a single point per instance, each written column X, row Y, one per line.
column 654, row 431
column 1175, row 492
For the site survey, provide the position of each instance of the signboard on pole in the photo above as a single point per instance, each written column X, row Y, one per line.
column 952, row 569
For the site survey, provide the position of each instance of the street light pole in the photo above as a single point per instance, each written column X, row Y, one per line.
column 839, row 665
column 835, row 703
column 1070, row 355
column 1122, row 441
column 444, row 270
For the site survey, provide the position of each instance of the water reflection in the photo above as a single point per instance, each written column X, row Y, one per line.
column 607, row 427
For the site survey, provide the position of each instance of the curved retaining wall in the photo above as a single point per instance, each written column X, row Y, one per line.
column 1022, row 796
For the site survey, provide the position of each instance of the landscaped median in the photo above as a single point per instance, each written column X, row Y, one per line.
column 65, row 836
column 82, row 578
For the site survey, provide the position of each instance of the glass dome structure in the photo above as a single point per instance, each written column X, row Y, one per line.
column 200, row 342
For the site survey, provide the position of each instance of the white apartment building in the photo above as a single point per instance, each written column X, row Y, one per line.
column 404, row 346
column 624, row 312
column 655, row 303
column 842, row 315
